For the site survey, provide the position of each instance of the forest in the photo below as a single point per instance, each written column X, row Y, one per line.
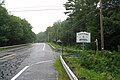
column 84, row 15
column 14, row 30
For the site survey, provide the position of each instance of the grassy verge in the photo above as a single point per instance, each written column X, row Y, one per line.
column 62, row 75
column 56, row 46
column 83, row 72
column 93, row 66
column 1, row 49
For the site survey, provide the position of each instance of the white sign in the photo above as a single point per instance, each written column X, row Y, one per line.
column 83, row 37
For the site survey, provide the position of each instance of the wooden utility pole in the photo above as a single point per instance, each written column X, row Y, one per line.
column 101, row 28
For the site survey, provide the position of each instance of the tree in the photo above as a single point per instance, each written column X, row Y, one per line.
column 111, row 13
column 41, row 37
column 14, row 30
column 4, row 18
column 84, row 15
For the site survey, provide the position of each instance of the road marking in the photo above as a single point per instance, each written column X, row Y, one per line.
column 44, row 47
column 41, row 62
column 17, row 75
column 9, row 55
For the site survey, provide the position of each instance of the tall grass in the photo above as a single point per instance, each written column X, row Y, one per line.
column 62, row 75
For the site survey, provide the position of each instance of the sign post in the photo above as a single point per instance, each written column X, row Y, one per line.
column 83, row 37
column 60, row 42
column 96, row 42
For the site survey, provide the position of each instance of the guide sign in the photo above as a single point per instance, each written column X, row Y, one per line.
column 83, row 37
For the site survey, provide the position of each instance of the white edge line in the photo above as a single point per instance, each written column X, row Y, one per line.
column 44, row 47
column 17, row 75
column 41, row 62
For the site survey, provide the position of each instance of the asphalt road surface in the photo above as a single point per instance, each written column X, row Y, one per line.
column 31, row 62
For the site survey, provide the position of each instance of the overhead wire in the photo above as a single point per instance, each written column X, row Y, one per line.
column 35, row 7
column 31, row 10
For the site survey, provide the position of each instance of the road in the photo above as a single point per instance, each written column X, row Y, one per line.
column 31, row 62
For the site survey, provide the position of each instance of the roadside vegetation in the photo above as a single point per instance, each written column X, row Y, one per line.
column 93, row 66
column 14, row 30
column 61, row 74
column 1, row 49
column 84, row 16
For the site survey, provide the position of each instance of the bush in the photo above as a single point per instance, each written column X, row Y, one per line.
column 119, row 48
column 108, row 62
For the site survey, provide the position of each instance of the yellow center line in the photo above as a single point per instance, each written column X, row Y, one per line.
column 10, row 55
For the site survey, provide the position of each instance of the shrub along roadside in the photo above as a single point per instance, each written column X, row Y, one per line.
column 83, row 72
column 62, row 75
column 93, row 66
column 88, row 63
column 106, row 64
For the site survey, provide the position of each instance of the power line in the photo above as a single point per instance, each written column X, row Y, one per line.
column 35, row 7
column 36, row 10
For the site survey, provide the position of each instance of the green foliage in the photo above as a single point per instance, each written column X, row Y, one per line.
column 111, row 23
column 61, row 74
column 83, row 72
column 119, row 48
column 93, row 65
column 41, row 37
column 107, row 63
column 14, row 30
column 83, row 15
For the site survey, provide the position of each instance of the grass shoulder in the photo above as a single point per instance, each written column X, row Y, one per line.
column 93, row 65
column 62, row 75
column 82, row 72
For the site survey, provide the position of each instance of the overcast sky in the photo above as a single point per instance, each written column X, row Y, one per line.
column 39, row 13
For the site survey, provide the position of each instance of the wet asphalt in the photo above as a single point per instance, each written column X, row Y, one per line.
column 31, row 62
